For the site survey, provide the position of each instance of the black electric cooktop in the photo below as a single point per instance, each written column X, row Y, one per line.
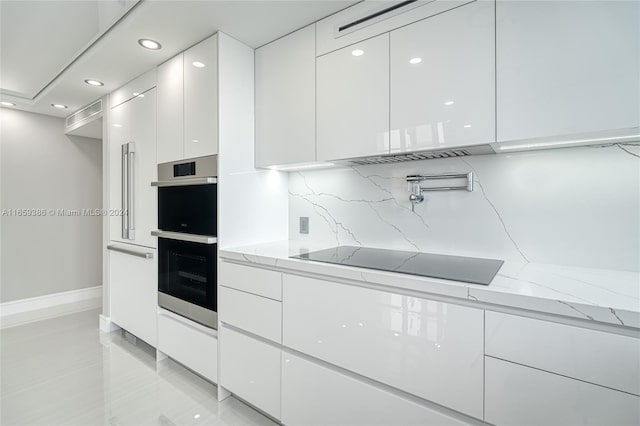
column 467, row 269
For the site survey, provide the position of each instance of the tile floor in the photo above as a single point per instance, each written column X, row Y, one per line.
column 63, row 371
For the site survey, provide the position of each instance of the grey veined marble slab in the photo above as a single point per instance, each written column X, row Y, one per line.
column 600, row 295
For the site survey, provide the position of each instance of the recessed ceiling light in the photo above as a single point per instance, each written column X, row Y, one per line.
column 449, row 103
column 414, row 61
column 466, row 126
column 149, row 44
column 5, row 103
column 198, row 64
column 94, row 82
column 357, row 52
column 59, row 106
column 117, row 125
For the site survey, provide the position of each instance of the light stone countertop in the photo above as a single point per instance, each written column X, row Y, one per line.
column 606, row 296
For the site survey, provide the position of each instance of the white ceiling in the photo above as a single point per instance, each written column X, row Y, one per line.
column 50, row 47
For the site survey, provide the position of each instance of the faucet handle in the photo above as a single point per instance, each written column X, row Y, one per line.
column 415, row 199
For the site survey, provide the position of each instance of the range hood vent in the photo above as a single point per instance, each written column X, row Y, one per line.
column 85, row 113
column 424, row 155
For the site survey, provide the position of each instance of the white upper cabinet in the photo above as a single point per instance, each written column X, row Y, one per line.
column 170, row 110
column 286, row 100
column 370, row 18
column 353, row 100
column 566, row 67
column 201, row 99
column 188, row 103
column 134, row 122
column 133, row 88
column 443, row 81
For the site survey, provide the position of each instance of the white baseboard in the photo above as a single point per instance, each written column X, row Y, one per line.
column 24, row 311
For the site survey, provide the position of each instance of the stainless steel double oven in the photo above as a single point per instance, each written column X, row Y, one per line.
column 187, row 238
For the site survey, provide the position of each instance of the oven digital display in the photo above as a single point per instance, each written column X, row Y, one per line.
column 184, row 169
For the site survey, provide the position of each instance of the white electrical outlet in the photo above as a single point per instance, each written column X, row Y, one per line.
column 304, row 225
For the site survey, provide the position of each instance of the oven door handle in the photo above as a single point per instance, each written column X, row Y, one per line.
column 185, row 182
column 145, row 255
column 193, row 238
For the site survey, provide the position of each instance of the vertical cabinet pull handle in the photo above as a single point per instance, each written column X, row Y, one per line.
column 131, row 192
column 128, row 214
column 125, row 211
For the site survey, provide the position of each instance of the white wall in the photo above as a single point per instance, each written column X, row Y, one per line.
column 576, row 207
column 41, row 168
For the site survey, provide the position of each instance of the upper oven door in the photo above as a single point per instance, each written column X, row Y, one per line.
column 190, row 209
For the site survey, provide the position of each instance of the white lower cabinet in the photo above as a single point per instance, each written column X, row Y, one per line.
column 596, row 357
column 316, row 395
column 431, row 349
column 519, row 395
column 133, row 282
column 255, row 314
column 251, row 280
column 250, row 369
column 193, row 345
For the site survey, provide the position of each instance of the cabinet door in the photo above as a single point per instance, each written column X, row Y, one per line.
column 443, row 80
column 133, row 286
column 286, row 100
column 170, row 110
column 201, row 99
column 353, row 100
column 431, row 349
column 519, row 395
column 133, row 88
column 317, row 395
column 566, row 67
column 134, row 121
column 250, row 369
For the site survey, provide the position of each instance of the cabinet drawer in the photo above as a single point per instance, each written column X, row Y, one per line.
column 519, row 395
column 316, row 395
column 254, row 314
column 250, row 369
column 431, row 349
column 252, row 280
column 594, row 356
column 191, row 344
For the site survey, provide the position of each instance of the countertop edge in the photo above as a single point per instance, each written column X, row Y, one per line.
column 451, row 289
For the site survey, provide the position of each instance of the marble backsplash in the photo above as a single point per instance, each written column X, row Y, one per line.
column 575, row 206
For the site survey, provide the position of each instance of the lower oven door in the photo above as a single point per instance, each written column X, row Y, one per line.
column 187, row 279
